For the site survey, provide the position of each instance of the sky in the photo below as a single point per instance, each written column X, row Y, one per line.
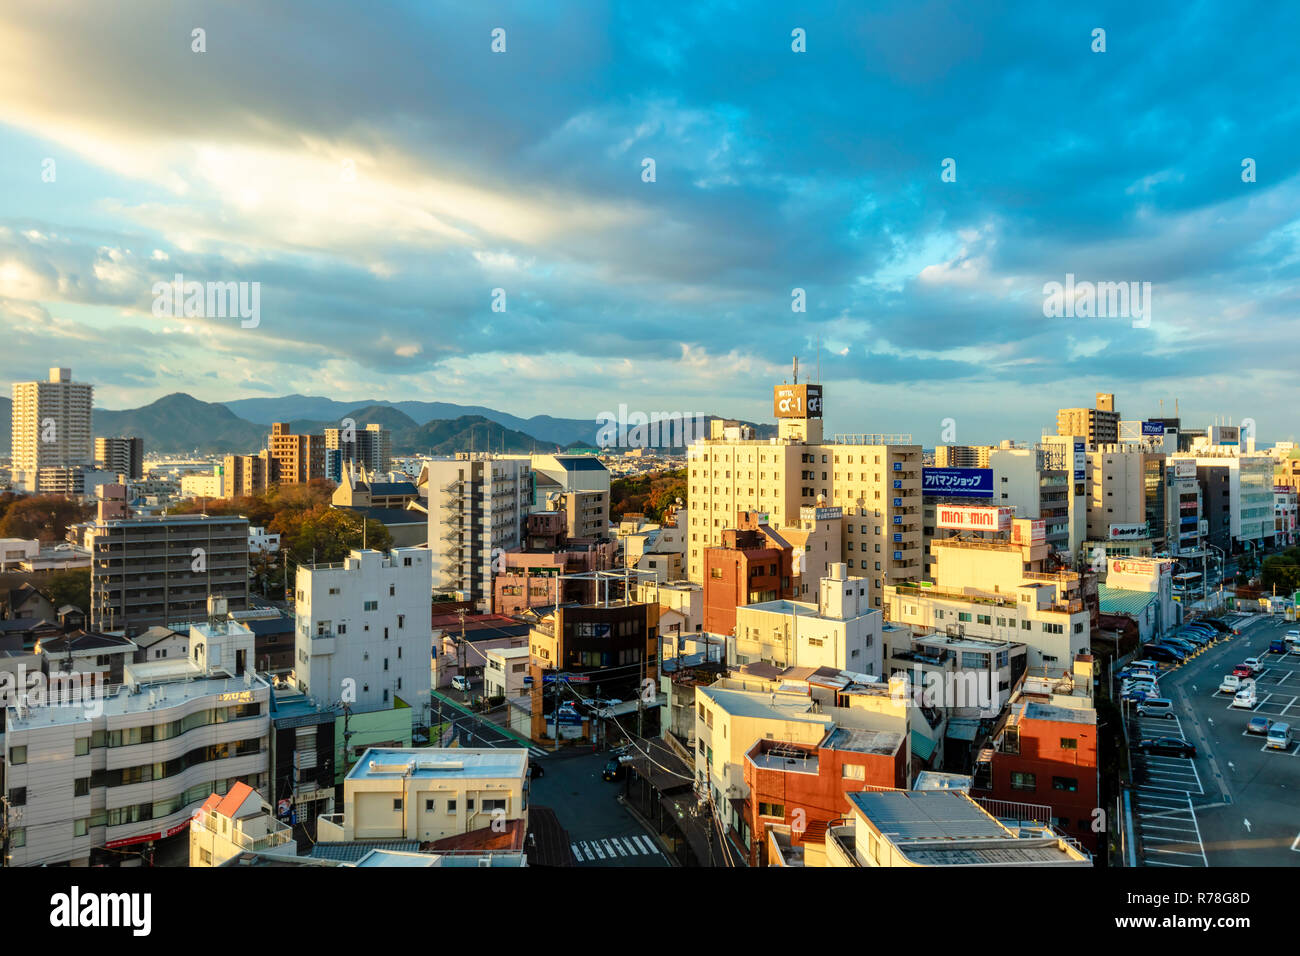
column 379, row 170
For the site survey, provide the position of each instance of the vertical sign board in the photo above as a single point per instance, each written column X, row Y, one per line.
column 1080, row 461
column 797, row 401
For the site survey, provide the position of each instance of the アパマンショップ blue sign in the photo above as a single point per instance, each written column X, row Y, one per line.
column 957, row 482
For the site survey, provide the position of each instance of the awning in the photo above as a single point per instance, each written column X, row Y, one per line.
column 922, row 747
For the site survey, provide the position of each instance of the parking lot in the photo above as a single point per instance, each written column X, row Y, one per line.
column 1166, row 827
column 1237, row 803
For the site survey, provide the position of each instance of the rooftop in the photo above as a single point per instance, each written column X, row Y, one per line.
column 741, row 703
column 881, row 742
column 1070, row 715
column 431, row 763
column 167, row 692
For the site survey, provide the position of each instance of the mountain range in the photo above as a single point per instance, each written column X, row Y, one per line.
column 180, row 424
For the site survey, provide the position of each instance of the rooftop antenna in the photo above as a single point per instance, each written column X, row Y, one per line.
column 819, row 360
column 796, row 370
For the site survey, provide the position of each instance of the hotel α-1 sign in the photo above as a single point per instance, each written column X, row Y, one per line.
column 797, row 401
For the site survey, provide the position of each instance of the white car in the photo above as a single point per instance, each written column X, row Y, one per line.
column 1245, row 696
column 1230, row 684
column 1254, row 663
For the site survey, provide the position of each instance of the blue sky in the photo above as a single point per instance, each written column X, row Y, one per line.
column 473, row 170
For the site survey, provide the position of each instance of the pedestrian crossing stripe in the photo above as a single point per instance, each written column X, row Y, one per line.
column 612, row 848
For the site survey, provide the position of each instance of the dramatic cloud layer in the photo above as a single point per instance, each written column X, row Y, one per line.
column 380, row 172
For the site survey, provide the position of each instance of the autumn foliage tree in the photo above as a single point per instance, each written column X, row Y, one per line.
column 45, row 517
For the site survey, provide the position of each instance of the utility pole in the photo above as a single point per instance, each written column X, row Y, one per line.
column 4, row 831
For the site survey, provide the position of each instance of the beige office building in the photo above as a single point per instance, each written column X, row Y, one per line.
column 51, row 426
column 874, row 480
column 1099, row 425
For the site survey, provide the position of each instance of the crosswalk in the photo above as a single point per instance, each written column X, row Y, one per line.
column 613, row 848
column 538, row 752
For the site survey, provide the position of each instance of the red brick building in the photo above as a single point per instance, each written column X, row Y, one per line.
column 1045, row 754
column 806, row 787
column 754, row 564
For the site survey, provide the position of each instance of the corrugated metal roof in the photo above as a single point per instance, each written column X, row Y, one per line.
column 922, row 746
column 1124, row 601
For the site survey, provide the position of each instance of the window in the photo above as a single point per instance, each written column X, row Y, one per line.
column 17, row 755
column 205, row 856
column 491, row 806
column 1023, row 781
column 469, row 803
column 451, row 806
column 371, row 606
column 1069, row 743
column 1069, row 784
column 18, row 797
column 771, row 810
column 80, row 828
column 853, row 771
column 81, row 787
column 82, row 746
column 397, row 803
column 428, row 806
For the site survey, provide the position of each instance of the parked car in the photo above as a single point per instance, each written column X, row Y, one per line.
column 1257, row 663
column 1277, row 646
column 1156, row 707
column 1279, row 736
column 1293, row 638
column 1202, row 629
column 1243, row 670
column 1220, row 626
column 535, row 769
column 1181, row 642
column 1197, row 639
column 1167, row 747
column 1139, row 694
column 460, row 682
column 615, row 768
column 1144, row 664
column 1245, row 696
column 1230, row 683
column 1164, row 653
column 1258, row 725
column 1129, row 674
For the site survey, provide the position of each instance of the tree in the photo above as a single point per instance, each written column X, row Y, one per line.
column 44, row 517
column 1282, row 571
column 329, row 534
column 69, row 587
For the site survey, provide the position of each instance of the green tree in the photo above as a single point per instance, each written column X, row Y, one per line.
column 1282, row 571
column 69, row 587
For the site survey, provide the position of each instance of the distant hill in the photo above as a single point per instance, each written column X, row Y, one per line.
column 561, row 431
column 179, row 423
column 466, row 433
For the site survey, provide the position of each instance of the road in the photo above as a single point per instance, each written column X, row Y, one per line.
column 601, row 830
column 1242, row 800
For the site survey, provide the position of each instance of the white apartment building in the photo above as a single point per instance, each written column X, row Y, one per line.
column 130, row 769
column 262, row 541
column 504, row 670
column 839, row 631
column 477, row 505
column 429, row 794
column 362, row 631
column 51, row 427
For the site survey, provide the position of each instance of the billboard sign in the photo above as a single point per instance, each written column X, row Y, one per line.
column 1184, row 467
column 797, row 401
column 809, row 513
column 1153, row 429
column 1127, row 532
column 957, row 482
column 1080, row 460
column 1138, row 567
column 973, row 518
